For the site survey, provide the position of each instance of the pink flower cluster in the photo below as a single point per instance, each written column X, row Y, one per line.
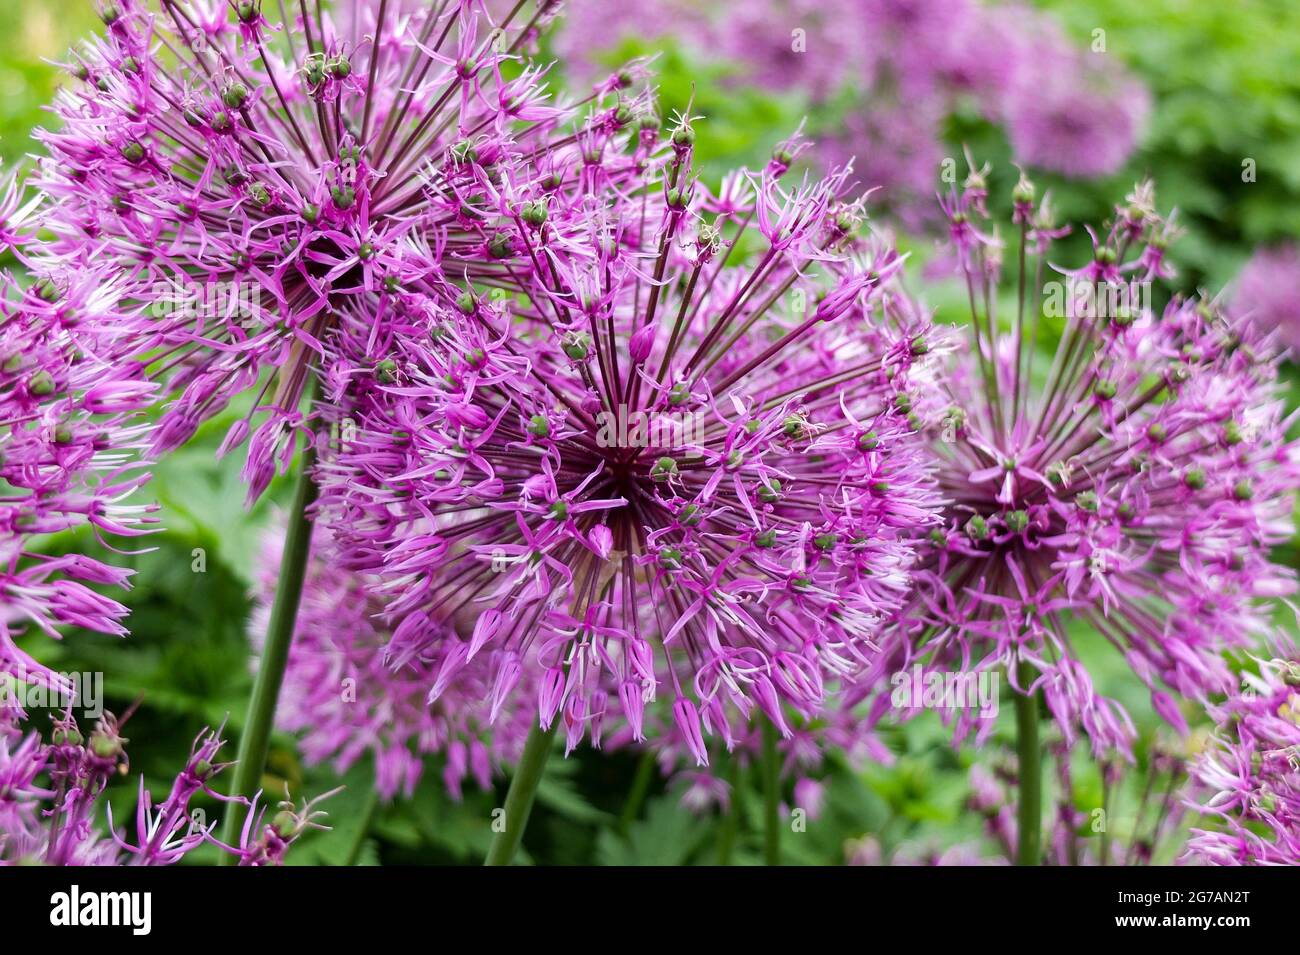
column 1137, row 485
column 51, row 795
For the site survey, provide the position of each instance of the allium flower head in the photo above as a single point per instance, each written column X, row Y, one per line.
column 1135, row 481
column 52, row 797
column 1070, row 110
column 1249, row 774
column 254, row 186
column 622, row 456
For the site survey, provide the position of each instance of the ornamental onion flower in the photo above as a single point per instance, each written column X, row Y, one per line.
column 1135, row 482
column 1248, row 777
column 251, row 185
column 882, row 77
column 622, row 457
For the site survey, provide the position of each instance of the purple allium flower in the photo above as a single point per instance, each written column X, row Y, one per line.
column 349, row 691
column 166, row 834
column 1135, row 482
column 1267, row 292
column 1070, row 111
column 258, row 185
column 622, row 457
column 1249, row 773
column 841, row 729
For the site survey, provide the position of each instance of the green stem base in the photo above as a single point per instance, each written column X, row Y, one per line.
column 771, row 796
column 256, row 738
column 519, row 798
column 1029, row 769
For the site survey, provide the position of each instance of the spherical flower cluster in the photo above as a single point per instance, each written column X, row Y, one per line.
column 349, row 692
column 1070, row 110
column 627, row 458
column 1267, row 293
column 252, row 186
column 1249, row 774
column 1136, row 485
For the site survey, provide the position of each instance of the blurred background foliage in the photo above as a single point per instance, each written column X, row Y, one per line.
column 1226, row 90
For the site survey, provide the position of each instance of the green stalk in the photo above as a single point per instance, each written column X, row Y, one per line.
column 255, row 740
column 731, row 821
column 640, row 786
column 771, row 797
column 519, row 798
column 1029, row 769
column 363, row 829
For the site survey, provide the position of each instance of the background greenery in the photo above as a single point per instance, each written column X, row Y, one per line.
column 1227, row 89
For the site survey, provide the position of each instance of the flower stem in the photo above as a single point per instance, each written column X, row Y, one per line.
column 731, row 821
column 1029, row 769
column 256, row 737
column 640, row 786
column 519, row 798
column 771, row 797
column 363, row 827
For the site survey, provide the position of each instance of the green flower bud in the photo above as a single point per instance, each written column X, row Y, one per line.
column 41, row 384
column 577, row 345
column 235, row 95
column 665, row 469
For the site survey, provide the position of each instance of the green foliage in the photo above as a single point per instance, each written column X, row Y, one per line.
column 1224, row 79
